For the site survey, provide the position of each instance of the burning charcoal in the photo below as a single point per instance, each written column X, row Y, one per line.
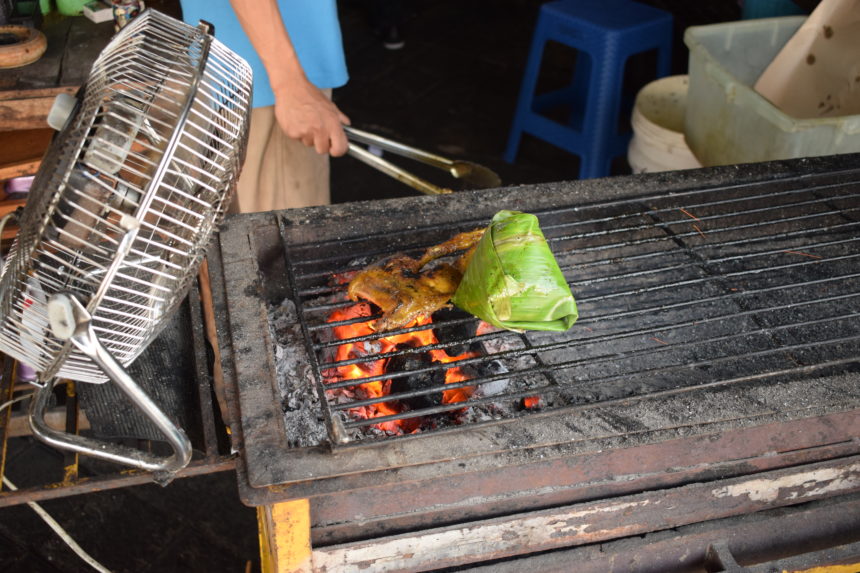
column 458, row 332
column 417, row 380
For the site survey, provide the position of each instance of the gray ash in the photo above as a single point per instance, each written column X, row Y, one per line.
column 303, row 417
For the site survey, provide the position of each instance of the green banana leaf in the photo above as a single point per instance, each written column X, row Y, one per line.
column 513, row 280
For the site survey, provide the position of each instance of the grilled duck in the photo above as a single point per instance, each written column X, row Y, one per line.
column 404, row 290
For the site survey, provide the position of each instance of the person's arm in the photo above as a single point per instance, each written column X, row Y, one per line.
column 303, row 111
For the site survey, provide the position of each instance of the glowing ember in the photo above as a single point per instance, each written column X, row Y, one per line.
column 377, row 367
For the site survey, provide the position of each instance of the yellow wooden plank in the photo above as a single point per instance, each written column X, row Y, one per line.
column 285, row 537
column 847, row 568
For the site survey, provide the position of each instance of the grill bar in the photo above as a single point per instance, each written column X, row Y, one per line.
column 682, row 290
column 335, row 254
column 544, row 370
column 619, row 315
column 597, row 361
column 815, row 369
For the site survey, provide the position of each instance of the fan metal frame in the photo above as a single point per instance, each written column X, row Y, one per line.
column 125, row 203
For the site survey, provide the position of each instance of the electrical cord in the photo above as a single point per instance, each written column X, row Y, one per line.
column 46, row 517
column 58, row 529
column 5, row 405
column 52, row 523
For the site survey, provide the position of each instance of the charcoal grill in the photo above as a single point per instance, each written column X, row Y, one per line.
column 718, row 337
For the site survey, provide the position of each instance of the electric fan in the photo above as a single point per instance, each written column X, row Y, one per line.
column 119, row 216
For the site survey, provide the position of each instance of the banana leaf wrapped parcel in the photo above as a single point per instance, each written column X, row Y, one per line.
column 513, row 280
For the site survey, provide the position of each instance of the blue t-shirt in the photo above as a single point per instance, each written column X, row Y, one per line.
column 313, row 27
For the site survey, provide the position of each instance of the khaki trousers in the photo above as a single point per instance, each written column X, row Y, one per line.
column 279, row 172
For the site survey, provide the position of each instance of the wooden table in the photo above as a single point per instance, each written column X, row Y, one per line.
column 26, row 93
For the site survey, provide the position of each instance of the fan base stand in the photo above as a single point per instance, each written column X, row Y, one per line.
column 71, row 321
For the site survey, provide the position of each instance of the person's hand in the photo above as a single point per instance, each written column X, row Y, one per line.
column 305, row 113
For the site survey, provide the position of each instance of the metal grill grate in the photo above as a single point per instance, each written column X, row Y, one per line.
column 697, row 288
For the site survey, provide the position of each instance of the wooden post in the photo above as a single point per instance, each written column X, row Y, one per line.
column 285, row 537
column 212, row 335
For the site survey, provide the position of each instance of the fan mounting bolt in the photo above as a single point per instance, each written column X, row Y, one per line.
column 129, row 222
column 61, row 111
column 61, row 316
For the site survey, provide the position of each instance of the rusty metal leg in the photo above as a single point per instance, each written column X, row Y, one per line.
column 7, row 390
column 70, row 458
column 285, row 537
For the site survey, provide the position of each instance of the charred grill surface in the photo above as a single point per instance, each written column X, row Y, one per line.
column 701, row 288
column 710, row 300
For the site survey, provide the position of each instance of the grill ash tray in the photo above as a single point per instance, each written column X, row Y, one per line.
column 710, row 301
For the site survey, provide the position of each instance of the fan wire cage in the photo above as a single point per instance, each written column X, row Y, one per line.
column 126, row 199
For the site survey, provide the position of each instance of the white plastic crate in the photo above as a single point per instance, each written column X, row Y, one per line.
column 728, row 122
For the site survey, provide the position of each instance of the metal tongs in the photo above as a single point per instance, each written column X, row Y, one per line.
column 474, row 174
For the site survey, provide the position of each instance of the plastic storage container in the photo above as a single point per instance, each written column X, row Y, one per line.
column 658, row 128
column 71, row 7
column 728, row 122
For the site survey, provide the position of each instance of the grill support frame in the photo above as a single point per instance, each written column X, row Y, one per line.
column 214, row 455
column 271, row 471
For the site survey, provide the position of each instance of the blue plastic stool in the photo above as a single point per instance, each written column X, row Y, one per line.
column 607, row 32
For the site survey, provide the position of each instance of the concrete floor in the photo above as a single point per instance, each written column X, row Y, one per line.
column 451, row 90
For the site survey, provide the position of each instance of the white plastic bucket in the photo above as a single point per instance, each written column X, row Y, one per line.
column 658, row 142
